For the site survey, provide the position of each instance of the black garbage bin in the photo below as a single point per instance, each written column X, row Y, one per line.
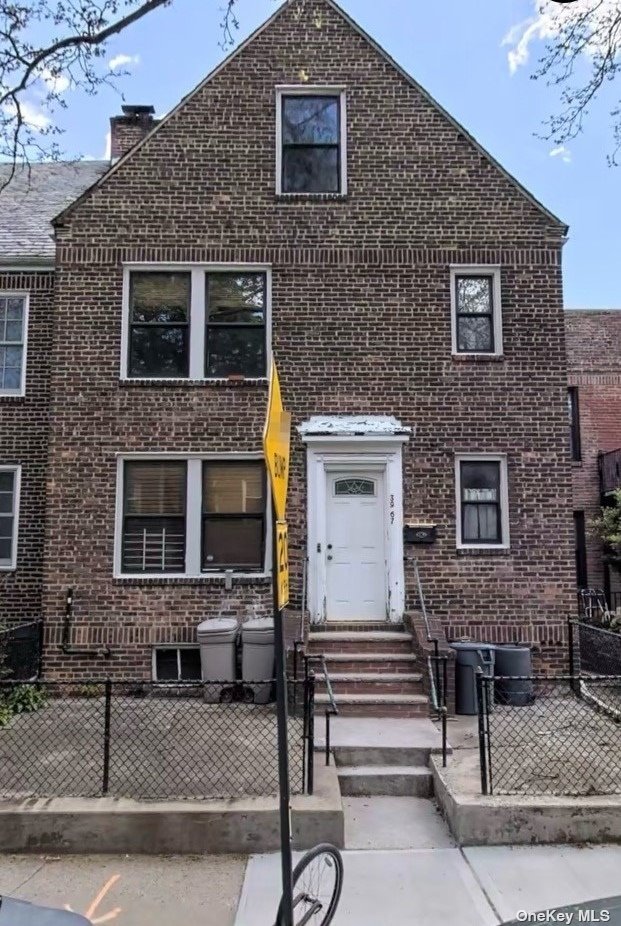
column 514, row 659
column 471, row 656
column 20, row 913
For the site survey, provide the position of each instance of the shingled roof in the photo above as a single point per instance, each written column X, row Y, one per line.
column 32, row 199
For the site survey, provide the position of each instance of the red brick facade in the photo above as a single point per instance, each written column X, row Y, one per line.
column 361, row 325
column 594, row 362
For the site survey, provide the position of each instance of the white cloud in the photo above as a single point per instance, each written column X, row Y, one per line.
column 561, row 152
column 550, row 19
column 108, row 148
column 56, row 83
column 33, row 117
column 121, row 61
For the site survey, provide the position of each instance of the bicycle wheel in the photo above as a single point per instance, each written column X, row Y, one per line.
column 317, row 885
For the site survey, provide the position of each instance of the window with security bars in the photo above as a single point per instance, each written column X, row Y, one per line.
column 8, row 511
column 474, row 301
column 154, row 517
column 311, row 143
column 235, row 325
column 159, row 325
column 233, row 515
column 12, row 343
column 481, row 500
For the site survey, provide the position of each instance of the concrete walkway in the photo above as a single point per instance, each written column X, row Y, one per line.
column 401, row 866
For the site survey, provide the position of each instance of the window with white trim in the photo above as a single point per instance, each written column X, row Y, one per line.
column 13, row 322
column 476, row 310
column 311, row 140
column 176, row 664
column 482, row 501
column 196, row 323
column 9, row 514
column 190, row 517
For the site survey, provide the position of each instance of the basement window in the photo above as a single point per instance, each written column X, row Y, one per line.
column 9, row 513
column 177, row 664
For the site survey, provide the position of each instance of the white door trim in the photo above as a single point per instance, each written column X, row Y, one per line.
column 366, row 452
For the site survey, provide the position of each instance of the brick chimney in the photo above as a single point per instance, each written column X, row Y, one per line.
column 130, row 128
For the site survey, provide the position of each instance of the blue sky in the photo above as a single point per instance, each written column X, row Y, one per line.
column 454, row 48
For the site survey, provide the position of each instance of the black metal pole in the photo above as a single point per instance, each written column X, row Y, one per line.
column 481, row 712
column 106, row 755
column 283, row 745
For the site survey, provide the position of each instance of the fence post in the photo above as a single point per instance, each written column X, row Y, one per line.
column 481, row 705
column 106, row 755
column 311, row 732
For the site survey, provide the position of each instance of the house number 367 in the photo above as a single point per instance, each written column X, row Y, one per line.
column 392, row 509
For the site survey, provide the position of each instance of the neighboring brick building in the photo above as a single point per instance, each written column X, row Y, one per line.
column 594, row 363
column 410, row 291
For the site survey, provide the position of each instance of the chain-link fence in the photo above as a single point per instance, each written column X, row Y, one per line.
column 146, row 740
column 598, row 650
column 560, row 735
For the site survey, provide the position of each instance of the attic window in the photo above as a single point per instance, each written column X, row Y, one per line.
column 311, row 141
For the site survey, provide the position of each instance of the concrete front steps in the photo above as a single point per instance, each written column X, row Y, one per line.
column 384, row 757
column 372, row 670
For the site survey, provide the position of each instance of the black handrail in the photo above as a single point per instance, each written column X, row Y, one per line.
column 430, row 639
column 332, row 710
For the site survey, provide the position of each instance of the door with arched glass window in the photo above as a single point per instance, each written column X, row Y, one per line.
column 355, row 547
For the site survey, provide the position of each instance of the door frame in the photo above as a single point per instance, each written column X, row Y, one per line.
column 368, row 452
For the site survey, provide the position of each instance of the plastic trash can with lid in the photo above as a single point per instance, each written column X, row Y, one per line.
column 514, row 659
column 471, row 656
column 258, row 656
column 217, row 639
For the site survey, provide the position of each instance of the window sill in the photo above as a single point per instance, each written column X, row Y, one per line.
column 478, row 358
column 576, row 464
column 12, row 395
column 8, row 568
column 235, row 383
column 483, row 551
column 239, row 578
column 311, row 197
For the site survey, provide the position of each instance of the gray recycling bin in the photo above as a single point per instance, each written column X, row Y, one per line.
column 258, row 656
column 217, row 640
column 20, row 913
column 512, row 659
column 469, row 658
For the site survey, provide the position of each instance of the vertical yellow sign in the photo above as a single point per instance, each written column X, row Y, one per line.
column 277, row 445
column 282, row 563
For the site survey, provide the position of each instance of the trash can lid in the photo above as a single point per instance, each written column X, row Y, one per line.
column 217, row 625
column 262, row 624
column 472, row 646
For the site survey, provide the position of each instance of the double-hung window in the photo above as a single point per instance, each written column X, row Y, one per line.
column 13, row 320
column 188, row 517
column 311, row 141
column 476, row 310
column 9, row 513
column 482, row 501
column 196, row 324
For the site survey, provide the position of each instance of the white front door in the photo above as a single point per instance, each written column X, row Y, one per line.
column 355, row 547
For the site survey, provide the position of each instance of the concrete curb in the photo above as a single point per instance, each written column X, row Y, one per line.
column 119, row 825
column 475, row 820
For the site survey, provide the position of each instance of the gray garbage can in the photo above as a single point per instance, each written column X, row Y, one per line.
column 258, row 656
column 217, row 640
column 512, row 659
column 469, row 658
column 20, row 913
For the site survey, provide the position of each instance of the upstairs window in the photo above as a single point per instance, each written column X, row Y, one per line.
column 154, row 517
column 311, row 141
column 9, row 509
column 476, row 311
column 198, row 324
column 159, row 325
column 13, row 310
column 482, row 502
column 573, row 409
column 235, row 338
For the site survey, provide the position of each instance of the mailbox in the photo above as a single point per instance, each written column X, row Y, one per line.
column 419, row 533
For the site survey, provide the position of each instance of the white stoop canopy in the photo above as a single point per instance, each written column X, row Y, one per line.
column 355, row 517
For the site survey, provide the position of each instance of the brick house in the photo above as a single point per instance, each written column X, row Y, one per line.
column 594, row 397
column 307, row 201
